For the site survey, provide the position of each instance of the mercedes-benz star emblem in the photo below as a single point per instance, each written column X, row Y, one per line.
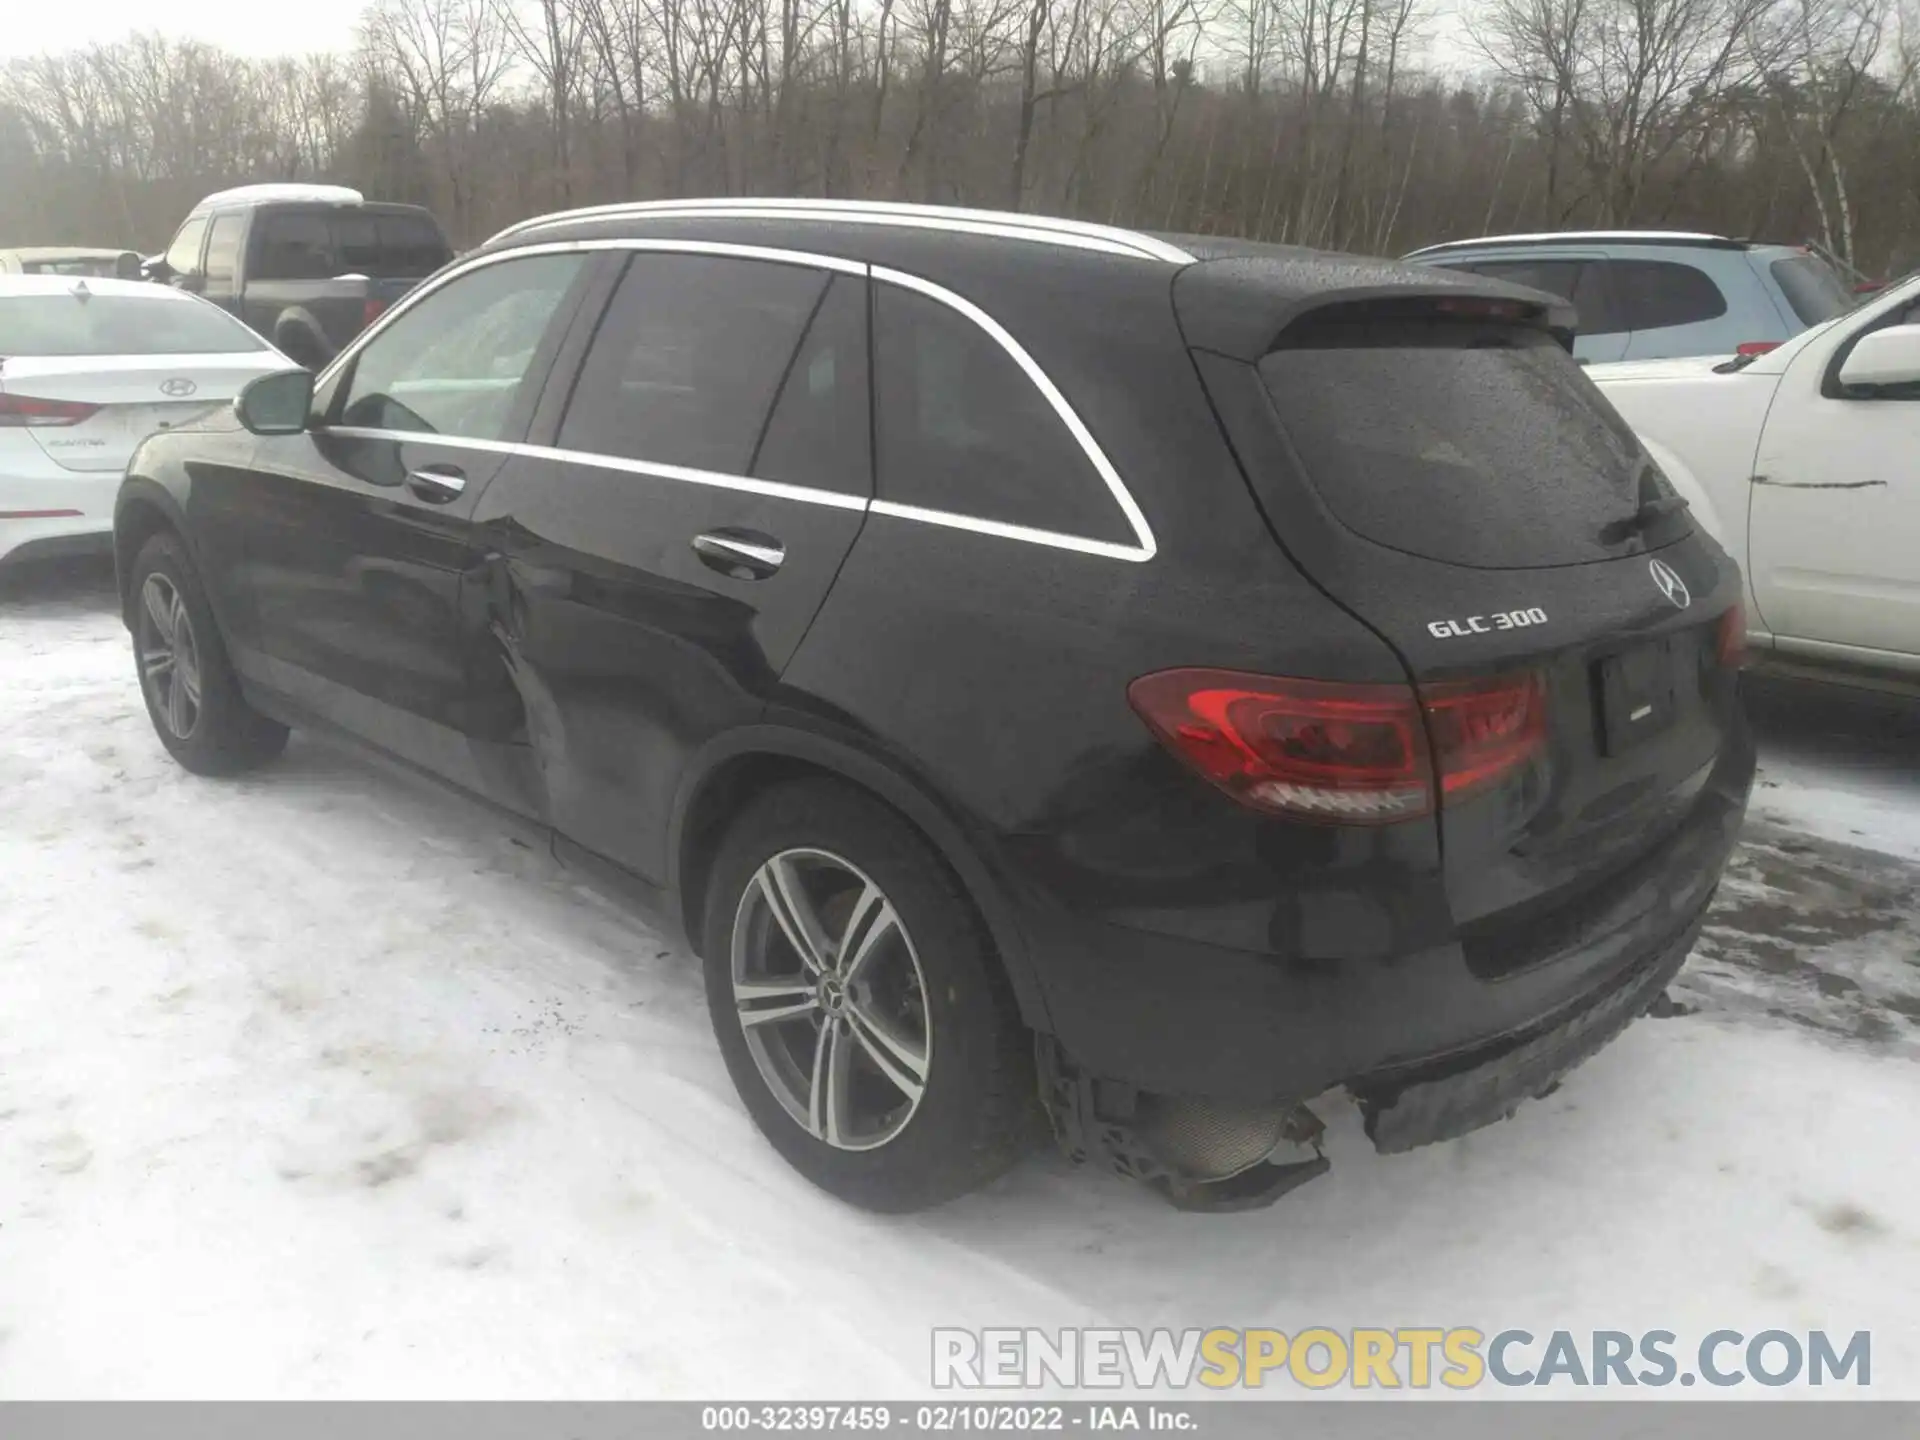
column 1670, row 583
column 179, row 385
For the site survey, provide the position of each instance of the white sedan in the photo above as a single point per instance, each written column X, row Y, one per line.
column 1804, row 462
column 89, row 367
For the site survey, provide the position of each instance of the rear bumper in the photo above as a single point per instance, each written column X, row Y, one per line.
column 1448, row 1100
column 1175, row 1016
column 46, row 511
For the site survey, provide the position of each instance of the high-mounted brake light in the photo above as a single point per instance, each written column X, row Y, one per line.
column 1756, row 347
column 1481, row 308
column 370, row 311
column 29, row 411
column 1339, row 753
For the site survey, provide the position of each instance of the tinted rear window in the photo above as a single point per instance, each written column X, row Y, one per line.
column 688, row 358
column 317, row 245
column 963, row 430
column 389, row 246
column 119, row 268
column 1811, row 288
column 1475, row 445
column 1655, row 294
column 63, row 325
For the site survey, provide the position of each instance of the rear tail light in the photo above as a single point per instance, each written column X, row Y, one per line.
column 21, row 411
column 1484, row 730
column 1343, row 754
column 1756, row 347
column 1730, row 639
column 370, row 311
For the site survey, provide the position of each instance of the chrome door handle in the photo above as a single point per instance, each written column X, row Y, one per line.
column 741, row 554
column 437, row 483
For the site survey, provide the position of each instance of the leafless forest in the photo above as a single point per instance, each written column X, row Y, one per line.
column 1319, row 122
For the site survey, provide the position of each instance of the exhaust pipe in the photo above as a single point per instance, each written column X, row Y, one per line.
column 1202, row 1155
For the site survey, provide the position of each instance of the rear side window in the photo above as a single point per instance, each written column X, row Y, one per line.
column 223, row 249
column 687, row 359
column 183, row 255
column 964, row 430
column 166, row 324
column 291, row 246
column 1811, row 288
column 1584, row 282
column 1476, row 445
column 1655, row 294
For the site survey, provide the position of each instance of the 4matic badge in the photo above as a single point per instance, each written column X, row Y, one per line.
column 1487, row 624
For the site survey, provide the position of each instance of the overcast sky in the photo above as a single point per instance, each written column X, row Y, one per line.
column 253, row 27
column 291, row 27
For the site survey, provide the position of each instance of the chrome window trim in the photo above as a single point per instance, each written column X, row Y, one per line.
column 1004, row 224
column 1116, row 487
column 449, row 274
column 1026, row 534
column 1144, row 549
column 685, row 474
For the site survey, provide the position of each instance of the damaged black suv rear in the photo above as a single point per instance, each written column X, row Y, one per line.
column 1049, row 671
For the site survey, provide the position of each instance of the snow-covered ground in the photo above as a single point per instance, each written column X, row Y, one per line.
column 316, row 1085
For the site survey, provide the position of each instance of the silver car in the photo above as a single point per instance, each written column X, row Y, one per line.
column 1655, row 294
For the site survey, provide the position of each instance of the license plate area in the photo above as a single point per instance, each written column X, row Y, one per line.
column 1637, row 695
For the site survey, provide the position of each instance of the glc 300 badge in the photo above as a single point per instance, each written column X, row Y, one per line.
column 1487, row 624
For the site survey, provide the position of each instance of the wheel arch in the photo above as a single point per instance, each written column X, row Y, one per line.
column 144, row 509
column 297, row 322
column 731, row 770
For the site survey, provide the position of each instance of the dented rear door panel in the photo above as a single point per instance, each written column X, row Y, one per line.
column 605, row 652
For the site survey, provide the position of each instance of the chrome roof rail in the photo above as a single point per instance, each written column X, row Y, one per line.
column 1006, row 224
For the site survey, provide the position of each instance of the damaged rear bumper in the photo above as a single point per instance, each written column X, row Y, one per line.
column 1127, row 1131
column 1446, row 1100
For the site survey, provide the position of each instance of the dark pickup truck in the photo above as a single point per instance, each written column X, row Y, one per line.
column 306, row 266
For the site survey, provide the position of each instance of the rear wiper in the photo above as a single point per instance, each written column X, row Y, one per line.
column 1653, row 507
column 1657, row 509
column 1737, row 363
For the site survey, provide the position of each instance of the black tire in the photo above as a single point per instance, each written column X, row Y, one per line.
column 978, row 1112
column 226, row 735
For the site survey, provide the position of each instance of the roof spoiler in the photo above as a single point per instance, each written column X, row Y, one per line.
column 1241, row 307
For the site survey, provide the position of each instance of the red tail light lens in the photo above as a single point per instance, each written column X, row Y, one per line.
column 1342, row 754
column 24, row 411
column 1756, row 347
column 370, row 311
column 1730, row 639
column 1483, row 730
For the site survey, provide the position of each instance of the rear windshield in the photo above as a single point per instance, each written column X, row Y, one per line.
column 1472, row 444
column 82, row 265
column 1812, row 289
column 65, row 325
column 322, row 245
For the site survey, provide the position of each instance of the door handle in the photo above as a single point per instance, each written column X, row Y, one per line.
column 437, row 484
column 740, row 554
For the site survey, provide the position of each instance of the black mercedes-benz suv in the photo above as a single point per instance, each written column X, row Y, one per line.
column 1051, row 672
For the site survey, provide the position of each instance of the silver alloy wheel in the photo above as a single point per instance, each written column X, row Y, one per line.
column 831, row 999
column 169, row 656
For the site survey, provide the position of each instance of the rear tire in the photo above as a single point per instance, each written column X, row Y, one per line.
column 192, row 694
column 935, row 1092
